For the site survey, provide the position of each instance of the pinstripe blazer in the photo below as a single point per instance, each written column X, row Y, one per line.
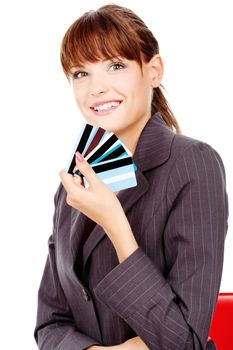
column 166, row 291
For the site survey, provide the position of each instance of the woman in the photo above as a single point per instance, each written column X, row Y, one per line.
column 139, row 269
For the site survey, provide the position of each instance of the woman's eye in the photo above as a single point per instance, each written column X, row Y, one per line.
column 117, row 66
column 78, row 75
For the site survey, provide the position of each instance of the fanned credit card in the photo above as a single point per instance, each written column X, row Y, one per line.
column 107, row 155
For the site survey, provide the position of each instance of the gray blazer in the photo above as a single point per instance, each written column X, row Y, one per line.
column 166, row 291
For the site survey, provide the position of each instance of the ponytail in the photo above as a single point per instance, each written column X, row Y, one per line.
column 160, row 104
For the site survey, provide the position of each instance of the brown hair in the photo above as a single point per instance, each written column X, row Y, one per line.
column 113, row 31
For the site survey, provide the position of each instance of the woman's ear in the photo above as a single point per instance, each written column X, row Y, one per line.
column 156, row 70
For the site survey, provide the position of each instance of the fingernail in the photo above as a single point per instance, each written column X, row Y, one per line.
column 79, row 157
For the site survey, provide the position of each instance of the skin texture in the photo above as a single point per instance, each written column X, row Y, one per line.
column 131, row 344
column 105, row 80
column 119, row 80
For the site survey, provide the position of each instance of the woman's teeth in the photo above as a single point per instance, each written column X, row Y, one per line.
column 106, row 106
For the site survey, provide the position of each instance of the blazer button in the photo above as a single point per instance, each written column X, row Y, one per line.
column 84, row 294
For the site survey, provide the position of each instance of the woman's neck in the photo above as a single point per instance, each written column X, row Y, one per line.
column 131, row 136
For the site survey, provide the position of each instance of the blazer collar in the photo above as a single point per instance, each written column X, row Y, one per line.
column 153, row 149
column 154, row 144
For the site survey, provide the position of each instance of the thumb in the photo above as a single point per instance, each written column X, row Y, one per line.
column 85, row 168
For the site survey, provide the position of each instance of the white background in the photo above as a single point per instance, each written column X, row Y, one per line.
column 40, row 121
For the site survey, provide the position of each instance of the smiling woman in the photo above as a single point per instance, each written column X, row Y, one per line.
column 139, row 269
column 110, row 33
column 81, row 79
column 103, row 91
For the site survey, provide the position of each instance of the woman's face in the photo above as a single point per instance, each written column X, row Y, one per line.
column 115, row 94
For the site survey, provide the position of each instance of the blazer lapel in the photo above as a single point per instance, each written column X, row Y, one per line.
column 153, row 149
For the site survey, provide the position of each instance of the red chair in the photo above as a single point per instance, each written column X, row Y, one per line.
column 222, row 324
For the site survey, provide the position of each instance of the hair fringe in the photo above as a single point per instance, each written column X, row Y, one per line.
column 110, row 31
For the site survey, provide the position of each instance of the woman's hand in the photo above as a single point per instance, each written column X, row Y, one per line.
column 97, row 347
column 101, row 205
column 135, row 343
column 97, row 201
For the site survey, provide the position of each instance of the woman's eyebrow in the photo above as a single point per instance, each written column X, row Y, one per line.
column 83, row 66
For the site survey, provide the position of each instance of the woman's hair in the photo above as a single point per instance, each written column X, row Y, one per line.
column 113, row 31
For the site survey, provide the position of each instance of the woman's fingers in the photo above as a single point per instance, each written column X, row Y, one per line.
column 85, row 168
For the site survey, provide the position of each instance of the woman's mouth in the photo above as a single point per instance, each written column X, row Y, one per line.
column 105, row 108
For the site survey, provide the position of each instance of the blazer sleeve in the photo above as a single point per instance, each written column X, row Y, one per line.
column 55, row 327
column 174, row 311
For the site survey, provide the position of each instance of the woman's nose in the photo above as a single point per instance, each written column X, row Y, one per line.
column 98, row 87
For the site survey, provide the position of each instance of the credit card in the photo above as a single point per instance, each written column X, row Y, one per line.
column 107, row 155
